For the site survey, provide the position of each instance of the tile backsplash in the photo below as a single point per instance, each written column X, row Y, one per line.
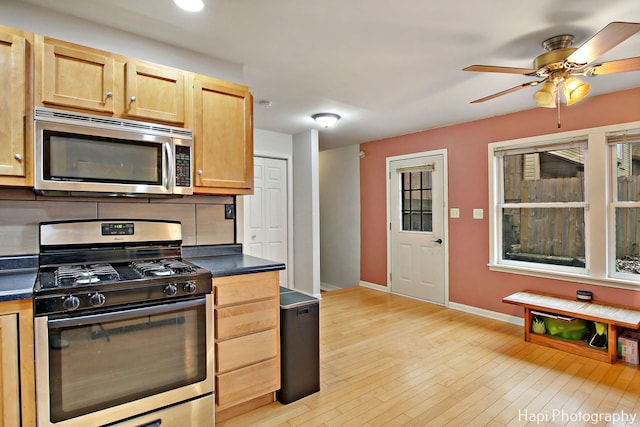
column 21, row 211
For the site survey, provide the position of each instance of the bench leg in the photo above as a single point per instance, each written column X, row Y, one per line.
column 528, row 318
column 612, row 335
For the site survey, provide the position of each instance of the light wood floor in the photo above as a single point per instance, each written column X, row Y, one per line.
column 389, row 361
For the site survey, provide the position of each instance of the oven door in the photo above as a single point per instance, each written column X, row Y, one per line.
column 105, row 367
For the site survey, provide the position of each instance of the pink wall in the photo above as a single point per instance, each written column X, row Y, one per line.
column 470, row 281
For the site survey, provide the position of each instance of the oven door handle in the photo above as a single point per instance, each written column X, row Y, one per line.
column 124, row 315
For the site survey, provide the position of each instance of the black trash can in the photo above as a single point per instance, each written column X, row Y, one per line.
column 299, row 346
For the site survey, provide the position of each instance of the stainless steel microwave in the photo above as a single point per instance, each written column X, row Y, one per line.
column 83, row 154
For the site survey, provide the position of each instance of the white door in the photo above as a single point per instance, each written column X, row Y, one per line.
column 265, row 213
column 417, row 227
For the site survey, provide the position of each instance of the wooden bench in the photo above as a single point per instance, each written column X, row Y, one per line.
column 615, row 316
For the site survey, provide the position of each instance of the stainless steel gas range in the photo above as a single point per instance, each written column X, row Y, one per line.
column 123, row 327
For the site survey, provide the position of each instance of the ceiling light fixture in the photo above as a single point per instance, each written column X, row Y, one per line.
column 326, row 120
column 190, row 5
column 571, row 87
column 560, row 82
column 574, row 90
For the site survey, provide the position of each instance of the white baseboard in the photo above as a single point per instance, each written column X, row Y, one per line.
column 487, row 313
column 374, row 286
column 328, row 287
column 462, row 307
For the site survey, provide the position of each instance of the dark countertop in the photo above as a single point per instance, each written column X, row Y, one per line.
column 17, row 277
column 18, row 273
column 228, row 260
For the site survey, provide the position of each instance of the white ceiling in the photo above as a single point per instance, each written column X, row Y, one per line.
column 387, row 67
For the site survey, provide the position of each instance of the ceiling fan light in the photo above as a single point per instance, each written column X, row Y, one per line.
column 326, row 120
column 546, row 96
column 575, row 90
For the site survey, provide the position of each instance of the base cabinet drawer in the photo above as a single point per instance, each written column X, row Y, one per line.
column 247, row 383
column 245, row 319
column 243, row 351
column 231, row 290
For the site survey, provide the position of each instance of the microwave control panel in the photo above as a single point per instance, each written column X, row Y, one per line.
column 183, row 166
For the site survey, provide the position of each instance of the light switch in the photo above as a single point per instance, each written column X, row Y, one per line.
column 478, row 213
column 455, row 212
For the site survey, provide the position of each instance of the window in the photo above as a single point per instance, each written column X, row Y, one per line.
column 624, row 149
column 417, row 199
column 568, row 207
column 542, row 204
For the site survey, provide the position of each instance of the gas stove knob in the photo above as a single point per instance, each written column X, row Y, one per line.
column 71, row 302
column 170, row 290
column 97, row 299
column 190, row 287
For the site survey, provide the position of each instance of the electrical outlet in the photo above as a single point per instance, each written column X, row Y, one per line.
column 478, row 213
column 455, row 212
column 229, row 211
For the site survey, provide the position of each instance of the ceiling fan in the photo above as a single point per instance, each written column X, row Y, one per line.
column 561, row 63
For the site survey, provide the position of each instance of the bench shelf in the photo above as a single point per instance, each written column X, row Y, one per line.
column 614, row 316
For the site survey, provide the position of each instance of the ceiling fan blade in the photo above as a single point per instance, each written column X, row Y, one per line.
column 504, row 92
column 496, row 69
column 613, row 67
column 605, row 40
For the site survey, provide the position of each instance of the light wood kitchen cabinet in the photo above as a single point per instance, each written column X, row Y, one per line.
column 91, row 80
column 154, row 92
column 223, row 137
column 69, row 75
column 247, row 339
column 16, row 106
column 17, row 407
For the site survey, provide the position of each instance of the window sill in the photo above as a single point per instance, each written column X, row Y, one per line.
column 567, row 276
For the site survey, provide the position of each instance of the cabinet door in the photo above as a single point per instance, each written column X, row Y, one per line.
column 13, row 89
column 223, row 137
column 9, row 368
column 75, row 76
column 155, row 93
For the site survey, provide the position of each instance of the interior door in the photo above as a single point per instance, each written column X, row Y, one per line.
column 265, row 213
column 417, row 232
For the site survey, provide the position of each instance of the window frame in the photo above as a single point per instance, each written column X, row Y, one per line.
column 614, row 203
column 599, row 216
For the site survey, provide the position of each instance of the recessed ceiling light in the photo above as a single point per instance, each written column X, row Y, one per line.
column 190, row 5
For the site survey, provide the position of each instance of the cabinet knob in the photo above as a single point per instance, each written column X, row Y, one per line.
column 109, row 94
column 18, row 157
column 199, row 171
column 132, row 99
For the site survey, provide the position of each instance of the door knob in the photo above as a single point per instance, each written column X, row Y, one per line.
column 438, row 241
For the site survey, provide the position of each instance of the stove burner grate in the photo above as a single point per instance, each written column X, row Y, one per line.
column 70, row 275
column 163, row 267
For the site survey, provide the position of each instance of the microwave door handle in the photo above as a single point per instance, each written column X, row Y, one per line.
column 168, row 170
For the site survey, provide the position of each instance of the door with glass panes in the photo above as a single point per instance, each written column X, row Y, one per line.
column 417, row 232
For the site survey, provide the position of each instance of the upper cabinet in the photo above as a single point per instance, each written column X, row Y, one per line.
column 82, row 78
column 15, row 105
column 154, row 92
column 223, row 137
column 74, row 76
